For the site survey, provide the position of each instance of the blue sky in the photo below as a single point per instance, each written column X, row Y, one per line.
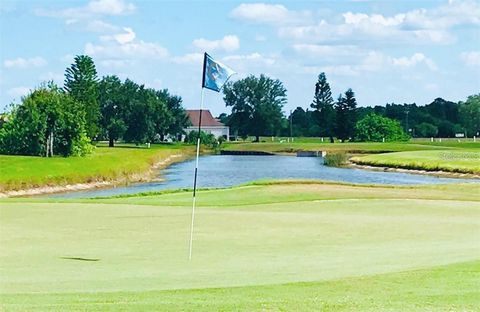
column 386, row 51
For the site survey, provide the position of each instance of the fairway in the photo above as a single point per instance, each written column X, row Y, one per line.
column 328, row 238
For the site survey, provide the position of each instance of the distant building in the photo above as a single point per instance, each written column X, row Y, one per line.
column 209, row 124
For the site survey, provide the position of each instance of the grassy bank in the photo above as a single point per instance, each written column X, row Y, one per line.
column 353, row 148
column 449, row 155
column 458, row 160
column 288, row 246
column 104, row 164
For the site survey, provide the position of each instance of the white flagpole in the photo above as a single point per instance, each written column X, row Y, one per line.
column 195, row 177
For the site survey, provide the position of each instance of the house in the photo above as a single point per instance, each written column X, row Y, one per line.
column 209, row 123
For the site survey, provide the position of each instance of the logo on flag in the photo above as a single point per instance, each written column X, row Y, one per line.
column 215, row 74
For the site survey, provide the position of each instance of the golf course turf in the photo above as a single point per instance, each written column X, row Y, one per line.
column 463, row 161
column 104, row 164
column 271, row 246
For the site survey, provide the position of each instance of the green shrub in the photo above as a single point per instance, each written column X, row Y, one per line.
column 335, row 159
column 205, row 138
column 375, row 128
column 45, row 114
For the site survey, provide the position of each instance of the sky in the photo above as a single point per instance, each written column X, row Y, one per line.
column 386, row 51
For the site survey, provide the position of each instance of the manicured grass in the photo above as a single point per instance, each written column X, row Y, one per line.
column 445, row 288
column 458, row 160
column 127, row 162
column 360, row 148
column 104, row 164
column 285, row 246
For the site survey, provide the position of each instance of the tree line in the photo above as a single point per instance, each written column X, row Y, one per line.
column 64, row 121
column 257, row 104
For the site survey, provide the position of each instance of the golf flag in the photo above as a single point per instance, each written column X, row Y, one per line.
column 215, row 74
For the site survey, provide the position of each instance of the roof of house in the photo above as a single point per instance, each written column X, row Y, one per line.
column 207, row 118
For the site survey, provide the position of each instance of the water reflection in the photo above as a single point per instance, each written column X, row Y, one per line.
column 229, row 170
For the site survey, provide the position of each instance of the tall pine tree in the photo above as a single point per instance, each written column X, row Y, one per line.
column 81, row 82
column 346, row 115
column 323, row 105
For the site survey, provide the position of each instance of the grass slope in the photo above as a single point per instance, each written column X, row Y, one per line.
column 339, row 247
column 105, row 164
column 360, row 148
column 464, row 160
column 127, row 161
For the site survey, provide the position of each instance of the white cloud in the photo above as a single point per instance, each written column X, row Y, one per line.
column 414, row 60
column 100, row 26
column 365, row 30
column 446, row 16
column 260, row 12
column 471, row 58
column 122, row 38
column 412, row 27
column 18, row 92
column 253, row 57
column 21, row 62
column 334, row 70
column 375, row 61
column 359, row 18
column 121, row 49
column 110, row 7
column 264, row 13
column 131, row 50
column 318, row 51
column 92, row 9
column 228, row 43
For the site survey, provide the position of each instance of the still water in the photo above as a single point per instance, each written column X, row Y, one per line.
column 227, row 170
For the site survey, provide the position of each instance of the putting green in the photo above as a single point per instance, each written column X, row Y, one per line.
column 292, row 234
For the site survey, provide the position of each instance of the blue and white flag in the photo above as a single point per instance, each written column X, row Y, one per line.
column 215, row 74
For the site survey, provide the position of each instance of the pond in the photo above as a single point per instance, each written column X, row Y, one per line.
column 230, row 170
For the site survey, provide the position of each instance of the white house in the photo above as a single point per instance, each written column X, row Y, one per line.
column 209, row 124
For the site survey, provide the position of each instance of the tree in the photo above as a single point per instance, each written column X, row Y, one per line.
column 177, row 117
column 299, row 122
column 111, row 108
column 426, row 130
column 345, row 108
column 138, row 112
column 443, row 110
column 256, row 105
column 470, row 115
column 81, row 83
column 323, row 105
column 375, row 128
column 446, row 129
column 47, row 122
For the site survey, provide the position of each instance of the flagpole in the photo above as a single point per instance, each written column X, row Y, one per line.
column 195, row 177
